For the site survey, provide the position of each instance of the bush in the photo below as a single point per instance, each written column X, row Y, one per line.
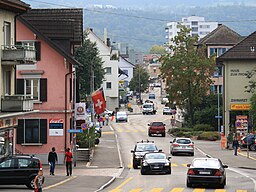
column 203, row 127
column 209, row 136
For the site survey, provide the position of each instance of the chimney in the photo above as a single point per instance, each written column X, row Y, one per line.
column 91, row 29
column 108, row 42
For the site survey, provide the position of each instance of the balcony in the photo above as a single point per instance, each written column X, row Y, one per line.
column 17, row 55
column 16, row 103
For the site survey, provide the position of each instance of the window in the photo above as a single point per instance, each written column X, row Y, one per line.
column 6, row 164
column 32, row 45
column 7, row 82
column 7, row 33
column 108, row 85
column 108, row 70
column 32, row 131
column 125, row 71
column 194, row 22
column 32, row 88
column 194, row 29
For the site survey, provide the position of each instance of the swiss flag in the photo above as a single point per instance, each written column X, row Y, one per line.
column 99, row 101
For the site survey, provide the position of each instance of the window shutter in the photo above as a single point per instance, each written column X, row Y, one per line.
column 43, row 90
column 38, row 50
column 20, row 131
column 20, row 86
column 43, row 131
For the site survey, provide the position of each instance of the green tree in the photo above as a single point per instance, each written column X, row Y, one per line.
column 157, row 49
column 187, row 72
column 88, row 56
column 139, row 82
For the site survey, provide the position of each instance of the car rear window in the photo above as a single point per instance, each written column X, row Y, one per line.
column 183, row 141
column 157, row 124
column 206, row 163
column 155, row 156
column 147, row 106
column 146, row 147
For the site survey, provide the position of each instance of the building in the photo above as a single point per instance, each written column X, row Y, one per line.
column 237, row 62
column 49, row 83
column 197, row 24
column 127, row 71
column 12, row 105
column 110, row 64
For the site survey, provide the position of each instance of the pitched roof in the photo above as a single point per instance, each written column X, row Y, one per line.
column 222, row 35
column 16, row 6
column 244, row 50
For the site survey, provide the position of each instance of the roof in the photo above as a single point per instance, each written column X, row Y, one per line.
column 222, row 35
column 16, row 6
column 244, row 50
column 127, row 61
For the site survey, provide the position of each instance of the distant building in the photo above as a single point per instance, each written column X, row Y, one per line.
column 135, row 57
column 197, row 24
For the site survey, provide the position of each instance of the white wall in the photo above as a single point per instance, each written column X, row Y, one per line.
column 124, row 65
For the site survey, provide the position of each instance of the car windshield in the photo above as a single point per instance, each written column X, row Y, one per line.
column 206, row 163
column 121, row 114
column 157, row 124
column 146, row 147
column 147, row 106
column 155, row 156
column 183, row 141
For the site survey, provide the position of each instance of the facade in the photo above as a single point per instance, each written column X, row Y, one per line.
column 110, row 82
column 11, row 106
column 127, row 69
column 197, row 24
column 49, row 83
column 236, row 62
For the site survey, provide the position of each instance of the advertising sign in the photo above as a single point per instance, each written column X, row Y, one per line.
column 56, row 127
column 240, row 107
column 80, row 111
column 241, row 123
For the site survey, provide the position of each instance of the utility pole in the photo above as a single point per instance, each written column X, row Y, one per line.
column 74, row 134
column 91, row 104
column 139, row 85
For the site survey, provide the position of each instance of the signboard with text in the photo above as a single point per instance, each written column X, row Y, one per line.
column 56, row 127
column 240, row 107
column 80, row 111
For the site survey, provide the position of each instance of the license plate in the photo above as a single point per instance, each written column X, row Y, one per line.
column 157, row 131
column 156, row 167
column 183, row 147
column 204, row 173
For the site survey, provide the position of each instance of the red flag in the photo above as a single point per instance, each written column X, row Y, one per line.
column 99, row 101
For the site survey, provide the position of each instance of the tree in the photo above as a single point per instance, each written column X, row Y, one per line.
column 139, row 82
column 156, row 49
column 88, row 56
column 187, row 72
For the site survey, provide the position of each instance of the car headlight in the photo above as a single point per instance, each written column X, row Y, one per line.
column 167, row 164
column 145, row 163
column 137, row 157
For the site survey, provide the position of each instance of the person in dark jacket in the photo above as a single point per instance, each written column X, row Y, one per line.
column 235, row 146
column 52, row 159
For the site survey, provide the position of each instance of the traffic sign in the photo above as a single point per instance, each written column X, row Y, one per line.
column 84, row 126
column 75, row 131
column 218, row 117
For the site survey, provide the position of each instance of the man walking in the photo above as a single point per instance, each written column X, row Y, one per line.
column 235, row 146
column 68, row 160
column 52, row 159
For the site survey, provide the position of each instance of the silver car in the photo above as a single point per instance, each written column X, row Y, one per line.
column 182, row 145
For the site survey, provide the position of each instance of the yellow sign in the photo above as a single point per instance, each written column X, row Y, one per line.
column 240, row 107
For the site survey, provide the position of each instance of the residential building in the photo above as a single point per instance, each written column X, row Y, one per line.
column 49, row 83
column 237, row 62
column 127, row 71
column 110, row 64
column 135, row 57
column 12, row 106
column 197, row 24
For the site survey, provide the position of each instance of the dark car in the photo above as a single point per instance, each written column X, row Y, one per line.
column 19, row 170
column 156, row 128
column 140, row 149
column 251, row 140
column 206, row 171
column 151, row 96
column 154, row 163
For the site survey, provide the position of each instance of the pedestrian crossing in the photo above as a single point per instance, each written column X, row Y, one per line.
column 174, row 190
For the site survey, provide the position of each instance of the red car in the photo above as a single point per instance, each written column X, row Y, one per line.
column 156, row 128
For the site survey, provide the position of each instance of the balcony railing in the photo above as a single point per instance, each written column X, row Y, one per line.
column 16, row 103
column 17, row 55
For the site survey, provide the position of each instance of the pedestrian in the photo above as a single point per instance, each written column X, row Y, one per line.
column 68, row 160
column 235, row 146
column 107, row 119
column 39, row 181
column 52, row 159
column 103, row 120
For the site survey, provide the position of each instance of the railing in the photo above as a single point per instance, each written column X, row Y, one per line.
column 16, row 103
column 17, row 54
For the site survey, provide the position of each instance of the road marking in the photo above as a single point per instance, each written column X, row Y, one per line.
column 220, row 190
column 177, row 190
column 117, row 189
column 241, row 190
column 174, row 165
column 107, row 132
column 157, row 190
column 129, row 166
column 185, row 165
column 199, row 190
column 127, row 131
column 136, row 131
column 245, row 155
column 136, row 190
column 60, row 183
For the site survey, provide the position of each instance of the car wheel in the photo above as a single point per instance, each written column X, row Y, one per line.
column 149, row 134
column 192, row 154
column 173, row 154
column 169, row 171
column 30, row 185
column 163, row 134
column 143, row 171
column 252, row 147
column 189, row 184
column 222, row 185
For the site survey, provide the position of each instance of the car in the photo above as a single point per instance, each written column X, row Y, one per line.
column 206, row 171
column 155, row 162
column 19, row 170
column 251, row 140
column 151, row 96
column 140, row 149
column 98, row 129
column 108, row 112
column 182, row 145
column 164, row 100
column 156, row 128
column 167, row 111
column 121, row 116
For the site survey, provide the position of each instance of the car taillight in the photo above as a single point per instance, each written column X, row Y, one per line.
column 191, row 172
column 243, row 141
column 176, row 145
column 191, row 145
column 218, row 173
column 40, row 165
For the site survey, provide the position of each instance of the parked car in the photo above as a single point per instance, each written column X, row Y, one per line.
column 98, row 128
column 167, row 111
column 206, row 171
column 108, row 112
column 155, row 162
column 140, row 149
column 251, row 140
column 151, row 96
column 121, row 116
column 182, row 145
column 19, row 170
column 156, row 128
column 164, row 100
